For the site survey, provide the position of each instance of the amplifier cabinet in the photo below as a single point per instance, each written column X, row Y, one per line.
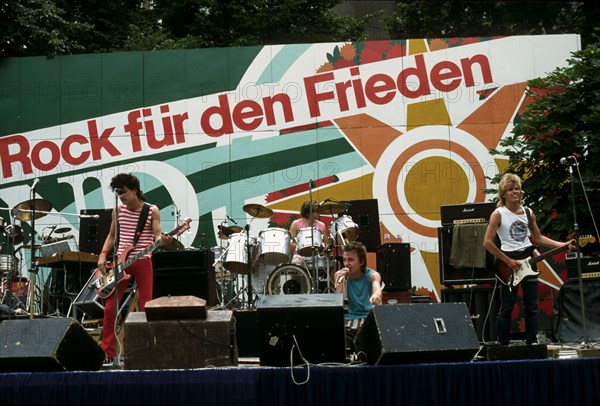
column 483, row 304
column 393, row 263
column 590, row 268
column 450, row 275
column 474, row 212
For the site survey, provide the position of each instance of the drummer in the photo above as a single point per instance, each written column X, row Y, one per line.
column 306, row 217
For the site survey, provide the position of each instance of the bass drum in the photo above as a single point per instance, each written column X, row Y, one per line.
column 288, row 279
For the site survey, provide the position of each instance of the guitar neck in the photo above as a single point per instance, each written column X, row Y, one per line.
column 148, row 249
column 548, row 254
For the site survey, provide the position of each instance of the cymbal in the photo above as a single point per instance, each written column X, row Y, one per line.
column 225, row 232
column 257, row 210
column 332, row 208
column 23, row 210
column 62, row 230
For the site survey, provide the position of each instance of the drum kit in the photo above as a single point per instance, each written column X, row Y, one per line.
column 241, row 257
column 17, row 291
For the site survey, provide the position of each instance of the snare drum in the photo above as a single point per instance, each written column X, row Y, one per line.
column 288, row 279
column 236, row 257
column 344, row 230
column 274, row 246
column 306, row 243
column 8, row 263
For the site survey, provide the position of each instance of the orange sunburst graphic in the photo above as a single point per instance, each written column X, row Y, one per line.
column 432, row 160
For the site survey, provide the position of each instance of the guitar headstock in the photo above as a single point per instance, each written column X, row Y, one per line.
column 184, row 226
column 586, row 239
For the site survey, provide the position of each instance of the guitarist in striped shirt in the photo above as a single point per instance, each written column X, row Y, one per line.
column 515, row 225
column 132, row 199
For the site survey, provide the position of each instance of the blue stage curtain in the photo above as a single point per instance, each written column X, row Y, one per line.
column 567, row 382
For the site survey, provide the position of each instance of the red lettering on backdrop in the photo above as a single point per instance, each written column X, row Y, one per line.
column 36, row 153
column 65, row 149
column 21, row 156
column 102, row 142
column 222, row 111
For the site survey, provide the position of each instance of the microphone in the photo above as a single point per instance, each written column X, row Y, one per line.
column 35, row 182
column 117, row 190
column 230, row 219
column 569, row 160
column 172, row 207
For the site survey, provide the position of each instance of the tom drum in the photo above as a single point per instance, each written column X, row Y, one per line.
column 274, row 246
column 344, row 230
column 306, row 242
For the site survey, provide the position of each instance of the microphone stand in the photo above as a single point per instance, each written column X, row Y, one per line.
column 34, row 268
column 315, row 276
column 578, row 251
column 115, row 264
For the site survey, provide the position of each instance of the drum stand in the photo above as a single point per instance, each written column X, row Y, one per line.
column 249, row 290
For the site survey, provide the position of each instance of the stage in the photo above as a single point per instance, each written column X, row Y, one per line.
column 569, row 381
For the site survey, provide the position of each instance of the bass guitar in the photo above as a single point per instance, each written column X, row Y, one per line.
column 105, row 284
column 512, row 278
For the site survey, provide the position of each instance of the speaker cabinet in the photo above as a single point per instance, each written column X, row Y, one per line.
column 93, row 231
column 48, row 345
column 365, row 213
column 312, row 325
column 450, row 275
column 184, row 273
column 409, row 333
column 483, row 304
column 180, row 344
column 568, row 320
column 393, row 263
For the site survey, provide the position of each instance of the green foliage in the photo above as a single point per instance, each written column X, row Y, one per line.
column 562, row 120
column 448, row 19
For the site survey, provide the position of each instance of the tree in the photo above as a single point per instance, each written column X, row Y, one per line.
column 562, row 119
column 257, row 22
column 447, row 19
column 38, row 27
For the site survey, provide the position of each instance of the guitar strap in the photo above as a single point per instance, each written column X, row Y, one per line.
column 141, row 222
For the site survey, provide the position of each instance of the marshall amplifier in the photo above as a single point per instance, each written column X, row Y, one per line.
column 466, row 213
column 590, row 267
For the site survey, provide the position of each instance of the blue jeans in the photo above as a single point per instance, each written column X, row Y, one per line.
column 530, row 301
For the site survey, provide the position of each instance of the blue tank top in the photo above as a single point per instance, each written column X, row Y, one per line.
column 359, row 292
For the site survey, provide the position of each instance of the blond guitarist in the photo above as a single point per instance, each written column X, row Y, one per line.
column 515, row 225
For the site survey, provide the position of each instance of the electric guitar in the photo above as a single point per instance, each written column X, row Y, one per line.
column 105, row 284
column 512, row 278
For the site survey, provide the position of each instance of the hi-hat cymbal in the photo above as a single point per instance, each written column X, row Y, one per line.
column 257, row 210
column 24, row 210
column 62, row 230
column 225, row 232
column 332, row 208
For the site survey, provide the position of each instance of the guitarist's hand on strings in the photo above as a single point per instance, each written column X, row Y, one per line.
column 166, row 239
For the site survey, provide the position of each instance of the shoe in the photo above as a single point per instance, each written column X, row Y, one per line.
column 108, row 362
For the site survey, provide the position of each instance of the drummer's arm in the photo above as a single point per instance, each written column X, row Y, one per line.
column 293, row 232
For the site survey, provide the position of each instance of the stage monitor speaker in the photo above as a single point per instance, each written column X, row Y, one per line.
column 450, row 275
column 393, row 263
column 93, row 231
column 568, row 321
column 311, row 325
column 410, row 333
column 184, row 273
column 365, row 213
column 57, row 344
column 483, row 304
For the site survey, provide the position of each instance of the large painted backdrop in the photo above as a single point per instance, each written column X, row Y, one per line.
column 407, row 122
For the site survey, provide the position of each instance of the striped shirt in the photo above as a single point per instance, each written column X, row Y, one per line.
column 128, row 221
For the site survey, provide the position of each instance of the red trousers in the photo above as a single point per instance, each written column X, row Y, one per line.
column 142, row 271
